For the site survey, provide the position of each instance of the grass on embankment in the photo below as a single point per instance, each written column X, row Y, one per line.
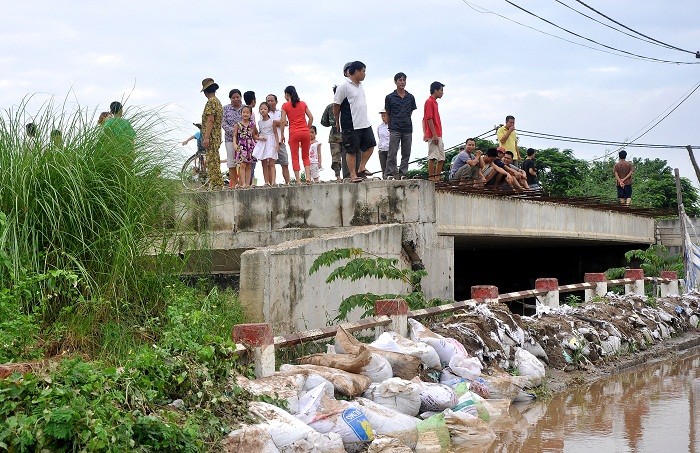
column 76, row 219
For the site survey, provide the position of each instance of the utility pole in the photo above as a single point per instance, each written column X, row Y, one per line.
column 692, row 160
column 681, row 210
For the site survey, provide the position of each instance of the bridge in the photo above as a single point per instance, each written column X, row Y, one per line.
column 272, row 235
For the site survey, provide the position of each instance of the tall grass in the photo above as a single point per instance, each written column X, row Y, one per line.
column 91, row 205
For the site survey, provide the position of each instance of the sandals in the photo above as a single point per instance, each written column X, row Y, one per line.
column 357, row 179
column 364, row 174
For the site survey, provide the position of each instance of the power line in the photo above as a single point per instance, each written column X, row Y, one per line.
column 658, row 60
column 611, row 27
column 590, row 141
column 482, row 10
column 697, row 54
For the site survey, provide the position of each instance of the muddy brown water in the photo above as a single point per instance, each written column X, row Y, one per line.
column 652, row 409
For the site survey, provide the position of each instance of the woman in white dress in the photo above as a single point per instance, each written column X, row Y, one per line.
column 267, row 144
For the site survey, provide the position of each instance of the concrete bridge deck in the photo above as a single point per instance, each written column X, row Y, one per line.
column 272, row 235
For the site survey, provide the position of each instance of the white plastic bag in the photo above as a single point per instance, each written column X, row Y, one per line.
column 528, row 365
column 388, row 422
column 378, row 369
column 465, row 367
column 393, row 342
column 328, row 415
column 445, row 347
column 397, row 394
column 436, row 397
column 467, row 429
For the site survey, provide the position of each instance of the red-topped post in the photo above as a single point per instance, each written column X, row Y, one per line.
column 671, row 287
column 486, row 293
column 636, row 287
column 259, row 341
column 551, row 297
column 397, row 310
column 601, row 285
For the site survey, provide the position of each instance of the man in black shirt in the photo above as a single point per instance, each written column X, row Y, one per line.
column 530, row 171
column 399, row 105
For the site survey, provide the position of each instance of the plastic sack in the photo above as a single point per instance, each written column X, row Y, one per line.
column 445, row 347
column 388, row 422
column 528, row 365
column 250, row 438
column 466, row 367
column 397, row 394
column 472, row 404
column 378, row 369
column 402, row 365
column 435, row 424
column 281, row 386
column 328, row 415
column 436, row 397
column 383, row 444
column 348, row 384
column 392, row 341
column 284, row 429
column 466, row 429
column 352, row 363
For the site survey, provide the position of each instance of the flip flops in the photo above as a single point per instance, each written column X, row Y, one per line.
column 357, row 179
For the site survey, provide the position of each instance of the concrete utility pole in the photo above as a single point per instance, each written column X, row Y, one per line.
column 679, row 198
column 692, row 160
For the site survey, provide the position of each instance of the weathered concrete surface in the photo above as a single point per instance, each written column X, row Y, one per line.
column 275, row 285
column 479, row 215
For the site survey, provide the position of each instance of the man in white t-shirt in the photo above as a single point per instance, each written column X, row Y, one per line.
column 350, row 111
column 282, row 154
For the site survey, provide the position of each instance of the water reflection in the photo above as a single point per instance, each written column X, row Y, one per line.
column 656, row 409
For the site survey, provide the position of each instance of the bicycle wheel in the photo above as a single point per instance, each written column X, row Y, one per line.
column 193, row 174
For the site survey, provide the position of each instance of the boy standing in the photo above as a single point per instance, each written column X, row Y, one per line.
column 432, row 132
column 383, row 144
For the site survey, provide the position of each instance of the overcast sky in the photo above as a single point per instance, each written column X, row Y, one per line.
column 156, row 53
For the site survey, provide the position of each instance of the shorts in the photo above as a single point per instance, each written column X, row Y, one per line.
column 358, row 141
column 436, row 151
column 315, row 173
column 624, row 192
column 230, row 155
column 282, row 155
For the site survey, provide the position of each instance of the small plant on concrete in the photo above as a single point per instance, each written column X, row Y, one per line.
column 363, row 265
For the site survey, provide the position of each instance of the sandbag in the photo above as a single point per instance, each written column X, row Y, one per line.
column 250, row 438
column 328, row 415
column 345, row 383
column 435, row 425
column 472, row 404
column 402, row 365
column 281, row 386
column 435, row 397
column 466, row 367
column 315, row 443
column 528, row 365
column 392, row 341
column 445, row 347
column 503, row 386
column 466, row 429
column 389, row 422
column 352, row 363
column 378, row 369
column 397, row 394
column 284, row 429
column 383, row 444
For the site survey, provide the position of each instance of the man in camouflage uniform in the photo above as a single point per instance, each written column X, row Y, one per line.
column 211, row 132
column 334, row 139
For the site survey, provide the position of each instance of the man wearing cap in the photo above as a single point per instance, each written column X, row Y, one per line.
column 432, row 132
column 507, row 138
column 350, row 110
column 399, row 106
column 211, row 135
column 383, row 144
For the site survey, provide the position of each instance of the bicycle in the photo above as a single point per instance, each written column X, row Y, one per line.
column 194, row 172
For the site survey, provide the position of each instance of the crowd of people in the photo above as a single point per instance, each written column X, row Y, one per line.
column 249, row 139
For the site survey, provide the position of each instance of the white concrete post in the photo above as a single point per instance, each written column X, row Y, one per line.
column 637, row 287
column 551, row 297
column 397, row 310
column 670, row 287
column 601, row 285
column 259, row 340
column 486, row 293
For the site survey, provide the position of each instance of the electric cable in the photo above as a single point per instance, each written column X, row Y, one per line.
column 486, row 11
column 611, row 27
column 639, row 33
column 658, row 60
